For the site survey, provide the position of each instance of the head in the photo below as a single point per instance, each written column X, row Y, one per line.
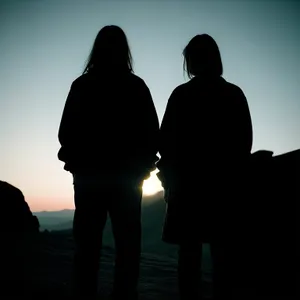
column 110, row 51
column 202, row 57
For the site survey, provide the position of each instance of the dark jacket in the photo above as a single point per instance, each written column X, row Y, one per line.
column 206, row 133
column 109, row 125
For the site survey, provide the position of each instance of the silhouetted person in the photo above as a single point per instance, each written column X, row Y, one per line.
column 108, row 135
column 205, row 137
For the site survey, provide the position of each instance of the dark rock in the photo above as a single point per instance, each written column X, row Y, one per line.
column 16, row 216
column 19, row 235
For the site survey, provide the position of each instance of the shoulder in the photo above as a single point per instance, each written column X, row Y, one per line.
column 137, row 80
column 80, row 80
column 237, row 96
column 176, row 95
column 179, row 90
column 129, row 80
column 234, row 89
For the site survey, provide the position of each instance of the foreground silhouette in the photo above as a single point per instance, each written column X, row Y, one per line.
column 108, row 136
column 19, row 229
column 22, row 220
column 205, row 140
column 267, row 236
column 263, row 230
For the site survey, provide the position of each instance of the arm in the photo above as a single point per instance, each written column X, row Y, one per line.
column 166, row 141
column 66, row 132
column 151, row 127
column 242, row 125
column 144, row 128
column 68, row 125
column 167, row 132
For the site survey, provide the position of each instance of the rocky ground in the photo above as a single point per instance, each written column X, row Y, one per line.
column 48, row 272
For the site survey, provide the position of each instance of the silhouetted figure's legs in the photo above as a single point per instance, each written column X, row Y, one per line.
column 88, row 224
column 125, row 213
column 189, row 271
column 222, row 284
column 122, row 200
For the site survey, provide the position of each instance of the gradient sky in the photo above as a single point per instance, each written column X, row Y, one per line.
column 44, row 44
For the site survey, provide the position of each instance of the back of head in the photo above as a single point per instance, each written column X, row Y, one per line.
column 202, row 57
column 110, row 52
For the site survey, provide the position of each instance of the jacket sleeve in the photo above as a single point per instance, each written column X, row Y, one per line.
column 168, row 124
column 150, row 127
column 68, row 120
column 242, row 133
column 68, row 124
column 167, row 143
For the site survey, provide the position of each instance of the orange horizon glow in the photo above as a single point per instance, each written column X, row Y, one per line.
column 151, row 187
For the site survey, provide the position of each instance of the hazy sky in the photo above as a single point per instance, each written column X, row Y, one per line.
column 44, row 44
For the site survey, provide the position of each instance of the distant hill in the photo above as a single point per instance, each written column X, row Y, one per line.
column 65, row 213
column 55, row 220
column 153, row 211
column 62, row 219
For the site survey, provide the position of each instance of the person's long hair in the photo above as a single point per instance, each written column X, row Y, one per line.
column 202, row 57
column 110, row 52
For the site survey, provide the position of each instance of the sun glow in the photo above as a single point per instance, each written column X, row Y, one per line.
column 152, row 185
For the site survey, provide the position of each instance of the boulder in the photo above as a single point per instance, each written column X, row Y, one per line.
column 19, row 236
column 16, row 216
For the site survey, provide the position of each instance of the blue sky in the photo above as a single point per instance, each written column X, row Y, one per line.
column 44, row 44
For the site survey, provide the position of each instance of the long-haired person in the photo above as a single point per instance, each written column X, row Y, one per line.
column 205, row 139
column 108, row 136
